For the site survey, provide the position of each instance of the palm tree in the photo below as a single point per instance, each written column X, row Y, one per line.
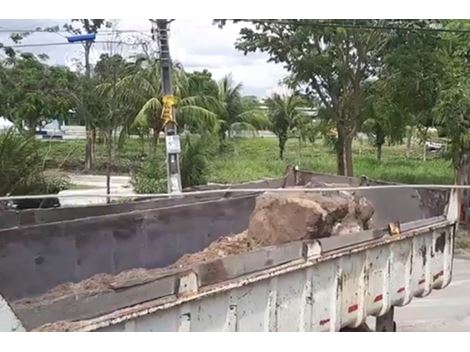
column 143, row 91
column 284, row 116
column 229, row 108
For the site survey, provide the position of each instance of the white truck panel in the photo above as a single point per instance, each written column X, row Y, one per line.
column 339, row 289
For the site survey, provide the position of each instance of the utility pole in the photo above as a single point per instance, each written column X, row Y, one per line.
column 172, row 139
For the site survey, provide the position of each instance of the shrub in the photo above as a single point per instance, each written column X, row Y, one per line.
column 20, row 165
column 150, row 177
column 196, row 155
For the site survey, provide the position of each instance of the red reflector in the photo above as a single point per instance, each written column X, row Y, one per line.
column 378, row 298
column 462, row 212
column 324, row 321
column 422, row 281
column 353, row 308
column 440, row 273
column 400, row 290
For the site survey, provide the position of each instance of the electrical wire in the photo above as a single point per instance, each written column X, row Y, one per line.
column 357, row 26
column 12, row 30
column 65, row 43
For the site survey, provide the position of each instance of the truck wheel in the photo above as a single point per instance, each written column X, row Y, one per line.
column 385, row 323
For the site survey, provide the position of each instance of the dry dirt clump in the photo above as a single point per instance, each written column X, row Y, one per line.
column 99, row 283
column 222, row 247
column 284, row 217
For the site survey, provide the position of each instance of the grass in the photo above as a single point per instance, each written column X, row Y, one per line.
column 70, row 155
column 256, row 158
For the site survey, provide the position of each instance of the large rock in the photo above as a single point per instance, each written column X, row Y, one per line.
column 284, row 217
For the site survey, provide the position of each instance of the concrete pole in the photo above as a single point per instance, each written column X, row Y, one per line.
column 172, row 140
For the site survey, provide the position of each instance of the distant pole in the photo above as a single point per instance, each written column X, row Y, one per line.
column 172, row 140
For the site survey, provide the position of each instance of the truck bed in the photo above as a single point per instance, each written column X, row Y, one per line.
column 36, row 258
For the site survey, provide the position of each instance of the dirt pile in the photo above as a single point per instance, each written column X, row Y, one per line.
column 222, row 247
column 277, row 218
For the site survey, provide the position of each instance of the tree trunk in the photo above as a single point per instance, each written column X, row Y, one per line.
column 101, row 136
column 348, row 156
column 154, row 141
column 89, row 144
column 340, row 170
column 379, row 142
column 379, row 153
column 142, row 141
column 109, row 143
column 88, row 151
column 93, row 143
column 408, row 145
column 344, row 152
column 424, row 151
column 282, row 144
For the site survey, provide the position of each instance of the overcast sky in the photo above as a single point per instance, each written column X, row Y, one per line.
column 197, row 44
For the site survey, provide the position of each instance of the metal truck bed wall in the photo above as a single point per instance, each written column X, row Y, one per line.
column 338, row 290
column 36, row 258
column 315, row 286
column 404, row 204
column 19, row 218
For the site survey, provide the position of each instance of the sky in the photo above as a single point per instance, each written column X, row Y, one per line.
column 197, row 44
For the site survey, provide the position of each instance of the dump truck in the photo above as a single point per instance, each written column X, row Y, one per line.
column 109, row 267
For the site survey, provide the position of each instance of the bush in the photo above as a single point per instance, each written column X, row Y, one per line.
column 197, row 152
column 150, row 177
column 21, row 172
column 19, row 162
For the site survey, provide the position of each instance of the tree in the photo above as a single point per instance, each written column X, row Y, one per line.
column 202, row 83
column 234, row 113
column 412, row 75
column 142, row 90
column 108, row 71
column 284, row 115
column 87, row 26
column 21, row 168
column 453, row 106
column 331, row 63
column 32, row 92
column 381, row 117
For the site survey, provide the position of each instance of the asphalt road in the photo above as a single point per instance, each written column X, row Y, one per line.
column 93, row 184
column 442, row 310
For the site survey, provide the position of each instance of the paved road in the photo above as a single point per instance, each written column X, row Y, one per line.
column 442, row 310
column 93, row 184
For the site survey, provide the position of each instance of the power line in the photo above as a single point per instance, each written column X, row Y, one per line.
column 358, row 26
column 40, row 30
column 59, row 44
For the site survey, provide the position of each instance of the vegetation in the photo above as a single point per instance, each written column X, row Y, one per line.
column 284, row 116
column 21, row 167
column 353, row 76
column 254, row 158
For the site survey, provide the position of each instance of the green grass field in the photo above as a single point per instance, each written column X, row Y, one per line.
column 255, row 158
